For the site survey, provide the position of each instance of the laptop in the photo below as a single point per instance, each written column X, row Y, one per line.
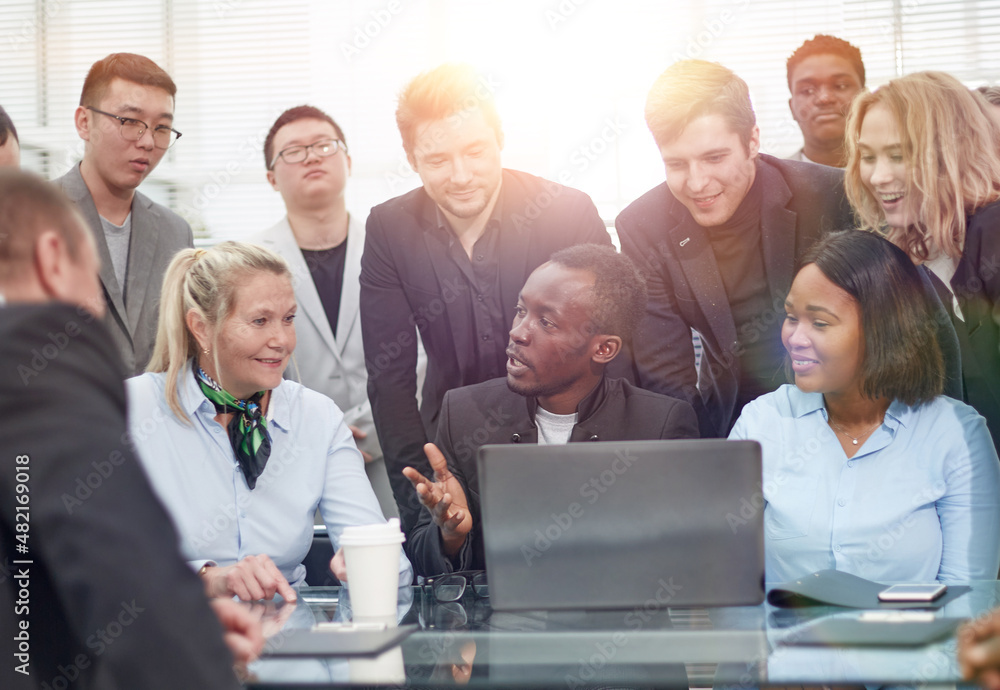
column 623, row 525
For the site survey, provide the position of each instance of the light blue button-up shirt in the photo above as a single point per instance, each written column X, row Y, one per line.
column 313, row 463
column 918, row 502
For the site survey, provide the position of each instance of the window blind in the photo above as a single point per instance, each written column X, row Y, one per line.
column 571, row 78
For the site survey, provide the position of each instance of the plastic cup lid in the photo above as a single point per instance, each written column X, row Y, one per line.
column 373, row 535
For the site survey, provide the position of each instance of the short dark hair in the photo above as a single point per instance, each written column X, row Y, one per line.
column 824, row 44
column 299, row 112
column 990, row 93
column 28, row 206
column 128, row 66
column 902, row 357
column 7, row 128
column 619, row 289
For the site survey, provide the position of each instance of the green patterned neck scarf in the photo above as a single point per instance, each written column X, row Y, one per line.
column 247, row 429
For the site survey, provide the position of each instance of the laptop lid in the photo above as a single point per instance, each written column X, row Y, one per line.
column 623, row 524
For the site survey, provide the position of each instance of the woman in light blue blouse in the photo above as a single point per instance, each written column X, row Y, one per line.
column 867, row 467
column 242, row 458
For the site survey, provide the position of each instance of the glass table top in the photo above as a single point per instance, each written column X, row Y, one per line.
column 651, row 646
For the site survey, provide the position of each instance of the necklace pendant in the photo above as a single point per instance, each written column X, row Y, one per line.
column 854, row 441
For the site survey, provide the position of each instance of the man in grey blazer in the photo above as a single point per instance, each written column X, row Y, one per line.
column 10, row 145
column 125, row 118
column 307, row 163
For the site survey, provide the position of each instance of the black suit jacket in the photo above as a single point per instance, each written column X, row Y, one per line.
column 111, row 602
column 490, row 412
column 977, row 286
column 409, row 282
column 801, row 202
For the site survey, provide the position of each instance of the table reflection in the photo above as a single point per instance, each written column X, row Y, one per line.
column 324, row 605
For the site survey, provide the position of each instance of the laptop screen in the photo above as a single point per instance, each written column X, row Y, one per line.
column 623, row 524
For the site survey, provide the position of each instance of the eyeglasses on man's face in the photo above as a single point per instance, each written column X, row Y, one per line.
column 132, row 130
column 298, row 153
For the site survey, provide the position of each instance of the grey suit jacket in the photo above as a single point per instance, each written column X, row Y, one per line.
column 157, row 234
column 333, row 366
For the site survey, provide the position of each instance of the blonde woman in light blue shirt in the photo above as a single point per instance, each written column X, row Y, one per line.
column 241, row 457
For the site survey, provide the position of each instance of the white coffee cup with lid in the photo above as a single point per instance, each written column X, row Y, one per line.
column 371, row 553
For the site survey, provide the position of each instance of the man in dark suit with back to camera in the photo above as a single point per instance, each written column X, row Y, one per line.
column 126, row 117
column 573, row 317
column 94, row 591
column 448, row 259
column 718, row 243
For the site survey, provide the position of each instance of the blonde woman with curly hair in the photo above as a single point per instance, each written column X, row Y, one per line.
column 924, row 170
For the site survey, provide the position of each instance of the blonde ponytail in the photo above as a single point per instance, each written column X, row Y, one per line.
column 203, row 280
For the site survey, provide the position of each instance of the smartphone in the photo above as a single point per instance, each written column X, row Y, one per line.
column 912, row 592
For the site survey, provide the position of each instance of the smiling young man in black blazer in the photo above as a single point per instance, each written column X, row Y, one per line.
column 448, row 260
column 718, row 243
